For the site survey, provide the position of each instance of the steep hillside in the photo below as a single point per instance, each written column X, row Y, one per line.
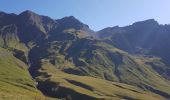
column 58, row 84
column 89, row 57
column 147, row 37
column 15, row 79
column 67, row 60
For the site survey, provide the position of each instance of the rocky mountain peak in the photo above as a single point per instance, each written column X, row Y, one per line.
column 27, row 13
column 150, row 22
column 72, row 22
column 2, row 13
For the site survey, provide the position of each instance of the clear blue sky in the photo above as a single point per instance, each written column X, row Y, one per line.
column 97, row 14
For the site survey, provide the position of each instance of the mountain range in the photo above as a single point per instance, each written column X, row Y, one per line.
column 46, row 59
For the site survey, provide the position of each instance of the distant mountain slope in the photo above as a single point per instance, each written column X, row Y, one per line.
column 145, row 37
column 72, row 49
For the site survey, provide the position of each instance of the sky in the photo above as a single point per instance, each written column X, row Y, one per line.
column 98, row 14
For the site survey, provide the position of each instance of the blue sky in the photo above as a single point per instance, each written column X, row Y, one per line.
column 97, row 14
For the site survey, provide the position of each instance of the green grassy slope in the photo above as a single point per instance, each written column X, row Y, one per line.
column 58, row 84
column 90, row 57
column 15, row 81
column 102, row 60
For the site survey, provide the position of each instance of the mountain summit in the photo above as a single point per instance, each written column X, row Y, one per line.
column 152, row 22
column 73, row 23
